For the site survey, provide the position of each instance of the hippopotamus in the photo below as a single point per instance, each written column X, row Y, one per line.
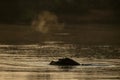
column 64, row 62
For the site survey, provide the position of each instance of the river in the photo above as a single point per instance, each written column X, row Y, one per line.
column 31, row 62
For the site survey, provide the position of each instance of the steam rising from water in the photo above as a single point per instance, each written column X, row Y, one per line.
column 47, row 22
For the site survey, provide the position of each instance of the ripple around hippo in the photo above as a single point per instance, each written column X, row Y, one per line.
column 71, row 62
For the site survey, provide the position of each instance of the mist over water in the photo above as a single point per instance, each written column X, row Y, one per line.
column 47, row 22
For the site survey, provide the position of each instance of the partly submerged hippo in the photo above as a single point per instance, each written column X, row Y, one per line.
column 64, row 61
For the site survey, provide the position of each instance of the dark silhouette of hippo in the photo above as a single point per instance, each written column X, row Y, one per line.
column 64, row 62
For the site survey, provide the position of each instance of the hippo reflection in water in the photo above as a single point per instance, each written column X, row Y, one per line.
column 64, row 61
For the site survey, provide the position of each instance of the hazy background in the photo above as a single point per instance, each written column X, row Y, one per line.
column 82, row 21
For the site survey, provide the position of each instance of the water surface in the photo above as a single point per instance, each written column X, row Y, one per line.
column 31, row 62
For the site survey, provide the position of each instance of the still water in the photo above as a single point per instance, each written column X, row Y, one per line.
column 31, row 62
